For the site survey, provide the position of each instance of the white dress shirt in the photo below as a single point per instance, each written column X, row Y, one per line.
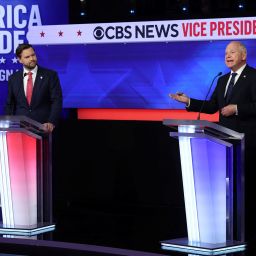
column 25, row 77
column 239, row 71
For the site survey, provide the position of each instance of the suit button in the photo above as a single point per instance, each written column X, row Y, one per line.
column 30, row 110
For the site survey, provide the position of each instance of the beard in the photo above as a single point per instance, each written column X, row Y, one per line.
column 31, row 65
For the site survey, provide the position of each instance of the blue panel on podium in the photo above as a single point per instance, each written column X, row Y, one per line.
column 211, row 183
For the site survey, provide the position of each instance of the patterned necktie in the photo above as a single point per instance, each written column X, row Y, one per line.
column 29, row 87
column 230, row 87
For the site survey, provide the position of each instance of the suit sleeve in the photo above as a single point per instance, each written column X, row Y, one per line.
column 55, row 98
column 248, row 107
column 209, row 106
column 9, row 107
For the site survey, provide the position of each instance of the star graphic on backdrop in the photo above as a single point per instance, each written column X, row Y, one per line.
column 60, row 33
column 79, row 33
column 14, row 60
column 42, row 34
column 2, row 60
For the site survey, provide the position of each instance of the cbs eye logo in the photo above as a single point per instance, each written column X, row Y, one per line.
column 98, row 33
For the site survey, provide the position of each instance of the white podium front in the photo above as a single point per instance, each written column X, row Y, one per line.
column 212, row 164
column 25, row 177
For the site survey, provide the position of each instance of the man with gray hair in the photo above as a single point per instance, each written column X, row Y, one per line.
column 235, row 99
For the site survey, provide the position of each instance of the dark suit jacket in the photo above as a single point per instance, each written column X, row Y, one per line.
column 46, row 102
column 243, row 94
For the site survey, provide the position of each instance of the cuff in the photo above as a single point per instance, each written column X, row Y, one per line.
column 236, row 110
column 188, row 104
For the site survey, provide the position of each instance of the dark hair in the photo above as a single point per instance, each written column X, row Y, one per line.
column 21, row 48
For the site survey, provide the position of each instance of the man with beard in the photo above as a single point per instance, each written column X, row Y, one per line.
column 35, row 91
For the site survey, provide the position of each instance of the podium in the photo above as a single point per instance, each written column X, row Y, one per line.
column 212, row 164
column 25, row 177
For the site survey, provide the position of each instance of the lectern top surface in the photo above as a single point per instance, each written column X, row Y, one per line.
column 16, row 122
column 203, row 126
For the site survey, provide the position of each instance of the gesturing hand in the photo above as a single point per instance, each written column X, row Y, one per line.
column 180, row 96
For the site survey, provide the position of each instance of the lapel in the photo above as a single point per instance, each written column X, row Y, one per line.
column 239, row 83
column 37, row 85
column 20, row 83
column 237, row 87
column 223, row 87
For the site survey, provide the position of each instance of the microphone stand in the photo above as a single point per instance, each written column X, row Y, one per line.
column 202, row 106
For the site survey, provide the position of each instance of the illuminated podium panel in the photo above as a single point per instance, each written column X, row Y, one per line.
column 212, row 164
column 25, row 177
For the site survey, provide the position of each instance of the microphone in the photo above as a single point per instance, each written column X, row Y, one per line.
column 199, row 113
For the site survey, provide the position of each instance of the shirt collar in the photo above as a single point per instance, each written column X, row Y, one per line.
column 34, row 70
column 239, row 71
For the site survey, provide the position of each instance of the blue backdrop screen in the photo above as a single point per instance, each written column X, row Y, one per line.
column 138, row 76
column 114, row 75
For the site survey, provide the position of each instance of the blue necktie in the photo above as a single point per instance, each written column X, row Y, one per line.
column 230, row 87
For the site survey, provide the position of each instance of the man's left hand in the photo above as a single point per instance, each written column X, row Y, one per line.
column 48, row 127
column 229, row 110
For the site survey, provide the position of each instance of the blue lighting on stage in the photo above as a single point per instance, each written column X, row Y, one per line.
column 136, row 75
